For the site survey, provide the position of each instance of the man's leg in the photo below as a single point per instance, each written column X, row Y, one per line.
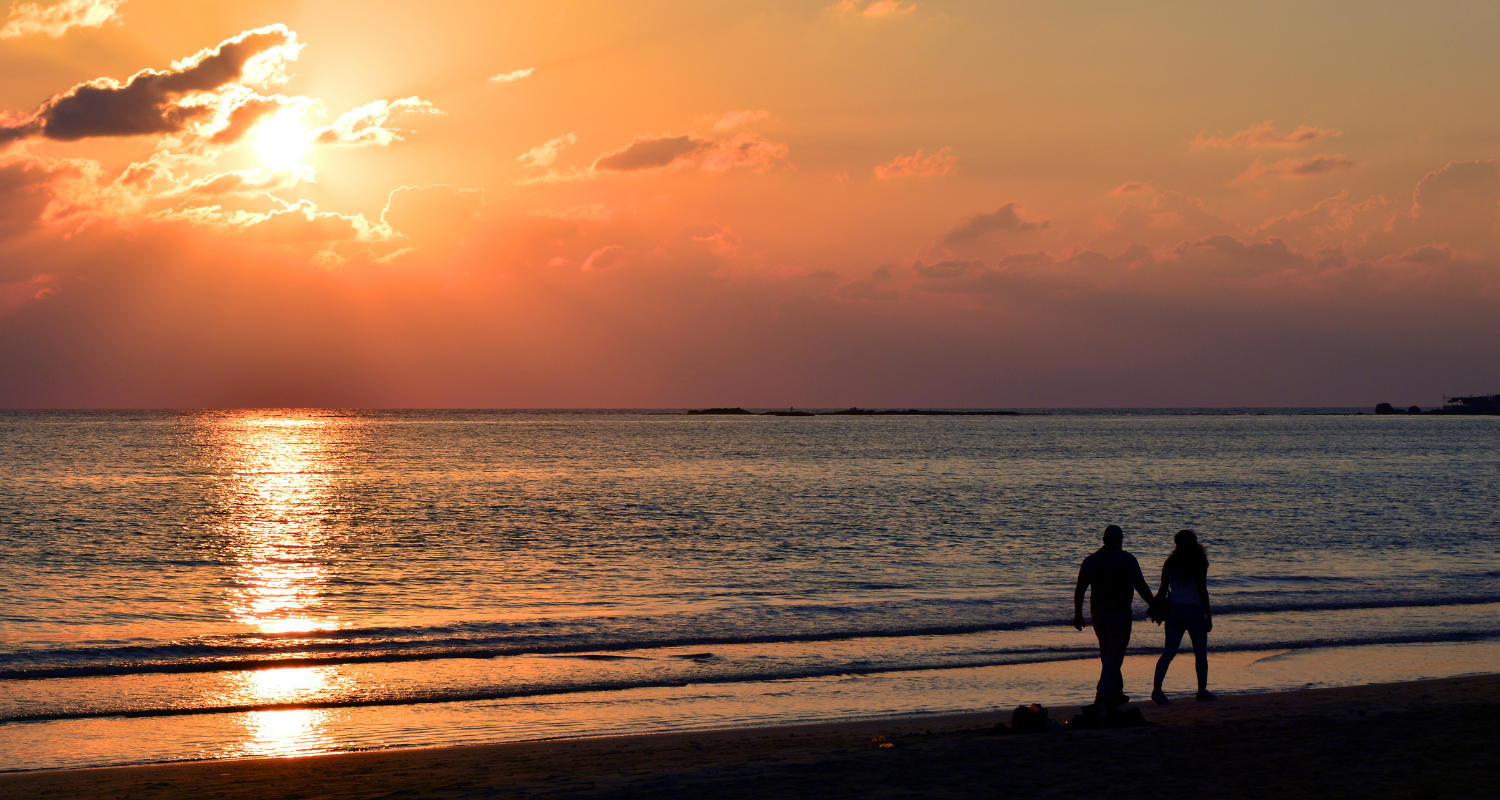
column 1113, row 630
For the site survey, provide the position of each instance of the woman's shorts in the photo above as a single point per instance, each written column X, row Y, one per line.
column 1185, row 615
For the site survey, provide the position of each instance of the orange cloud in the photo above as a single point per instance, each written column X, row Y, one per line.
column 544, row 154
column 748, row 150
column 30, row 18
column 648, row 153
column 370, row 123
column 1294, row 168
column 734, row 119
column 243, row 181
column 1132, row 187
column 876, row 10
column 1266, row 135
column 939, row 163
column 512, row 77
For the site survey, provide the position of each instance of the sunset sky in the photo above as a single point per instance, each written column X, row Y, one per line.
column 672, row 204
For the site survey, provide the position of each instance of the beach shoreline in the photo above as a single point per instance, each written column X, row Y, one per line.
column 1429, row 737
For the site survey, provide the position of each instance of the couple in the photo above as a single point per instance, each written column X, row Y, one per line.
column 1114, row 574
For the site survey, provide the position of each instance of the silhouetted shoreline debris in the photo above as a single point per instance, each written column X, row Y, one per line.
column 1482, row 404
column 850, row 412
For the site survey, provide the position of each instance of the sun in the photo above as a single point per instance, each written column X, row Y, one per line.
column 281, row 142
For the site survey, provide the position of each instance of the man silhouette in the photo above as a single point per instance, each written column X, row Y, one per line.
column 1112, row 573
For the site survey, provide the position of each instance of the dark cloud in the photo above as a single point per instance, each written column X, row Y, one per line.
column 151, row 102
column 1004, row 218
column 648, row 152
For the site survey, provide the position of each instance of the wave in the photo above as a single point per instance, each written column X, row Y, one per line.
column 788, row 672
column 600, row 635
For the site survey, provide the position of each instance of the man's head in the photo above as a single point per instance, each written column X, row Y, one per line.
column 1113, row 536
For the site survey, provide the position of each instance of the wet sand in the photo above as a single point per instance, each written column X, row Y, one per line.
column 1438, row 738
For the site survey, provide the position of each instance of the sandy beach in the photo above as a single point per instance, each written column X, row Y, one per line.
column 1437, row 738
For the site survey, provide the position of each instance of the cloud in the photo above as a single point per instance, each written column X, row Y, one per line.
column 512, row 77
column 951, row 268
column 240, row 182
column 749, row 150
column 1229, row 256
column 369, row 125
column 26, row 193
column 1427, row 254
column 437, row 213
column 880, row 9
column 1132, row 187
column 723, row 242
column 1458, row 204
column 295, row 223
column 652, row 152
column 239, row 118
column 543, row 155
column 1266, row 135
column 1295, row 168
column 734, row 119
column 158, row 102
column 603, row 257
column 27, row 19
column 1335, row 220
column 1461, row 188
column 1004, row 218
column 939, row 163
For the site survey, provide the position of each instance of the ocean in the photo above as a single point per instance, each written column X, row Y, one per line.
column 190, row 585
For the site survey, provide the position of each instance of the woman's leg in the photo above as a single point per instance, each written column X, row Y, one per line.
column 1174, row 641
column 1199, row 634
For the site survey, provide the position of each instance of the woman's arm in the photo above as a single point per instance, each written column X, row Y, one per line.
column 1203, row 598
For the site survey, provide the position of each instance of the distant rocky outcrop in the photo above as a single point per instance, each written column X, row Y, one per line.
column 1484, row 404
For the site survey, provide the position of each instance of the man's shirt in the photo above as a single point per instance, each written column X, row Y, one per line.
column 1113, row 574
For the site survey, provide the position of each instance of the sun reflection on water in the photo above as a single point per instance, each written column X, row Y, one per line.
column 279, row 526
column 291, row 731
column 278, row 494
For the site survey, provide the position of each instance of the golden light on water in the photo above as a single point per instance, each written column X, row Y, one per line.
column 278, row 474
column 277, row 483
column 291, row 731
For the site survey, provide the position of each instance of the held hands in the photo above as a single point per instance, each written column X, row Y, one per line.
column 1156, row 611
column 1078, row 620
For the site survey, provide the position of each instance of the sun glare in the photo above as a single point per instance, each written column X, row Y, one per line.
column 281, row 142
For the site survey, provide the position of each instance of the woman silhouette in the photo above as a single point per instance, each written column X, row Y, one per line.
column 1184, row 580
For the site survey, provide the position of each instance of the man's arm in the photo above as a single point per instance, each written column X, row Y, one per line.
column 1078, row 591
column 1140, row 584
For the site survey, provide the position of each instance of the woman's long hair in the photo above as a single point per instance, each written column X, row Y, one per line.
column 1189, row 562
